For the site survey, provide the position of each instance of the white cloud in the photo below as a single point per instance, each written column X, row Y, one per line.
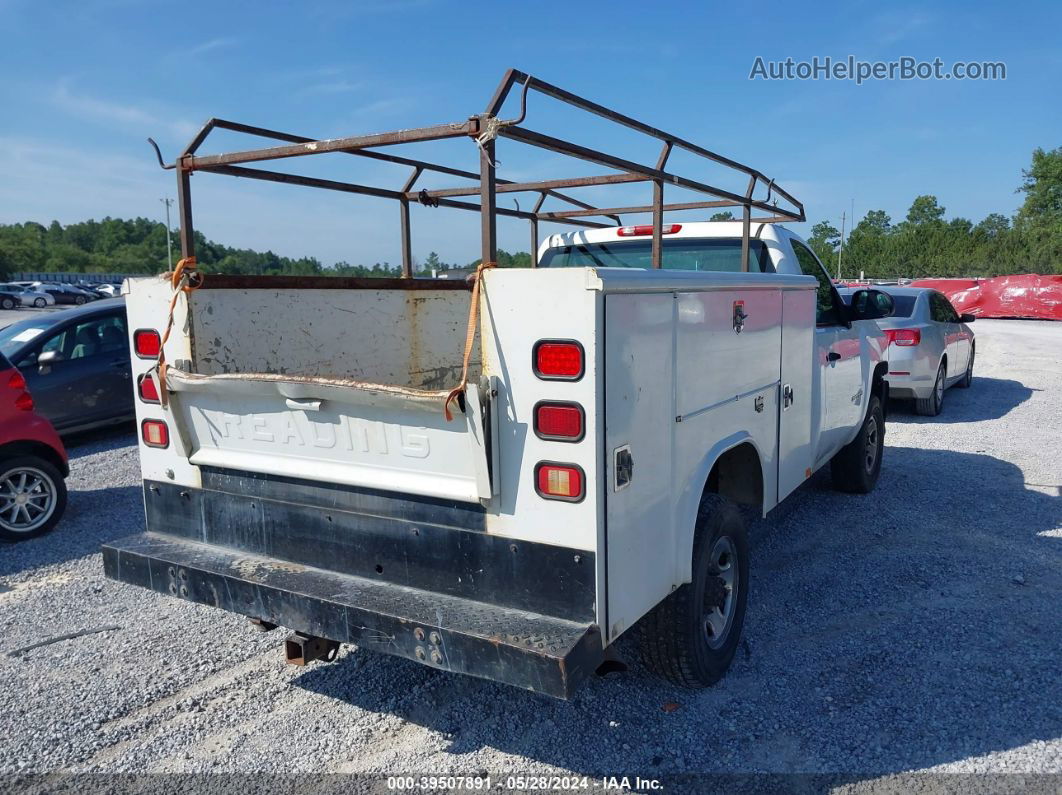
column 46, row 180
column 115, row 114
column 897, row 26
column 333, row 87
column 207, row 46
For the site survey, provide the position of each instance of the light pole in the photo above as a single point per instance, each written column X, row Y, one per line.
column 169, row 244
column 840, row 249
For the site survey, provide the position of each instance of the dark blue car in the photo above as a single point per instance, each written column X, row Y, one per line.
column 76, row 364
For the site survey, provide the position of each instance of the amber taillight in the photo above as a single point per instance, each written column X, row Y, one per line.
column 559, row 481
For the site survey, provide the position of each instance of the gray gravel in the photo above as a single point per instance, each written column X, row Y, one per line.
column 917, row 628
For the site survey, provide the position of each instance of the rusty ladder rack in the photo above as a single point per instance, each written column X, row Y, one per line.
column 484, row 129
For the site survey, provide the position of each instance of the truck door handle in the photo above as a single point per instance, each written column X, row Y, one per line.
column 787, row 396
column 833, row 356
column 740, row 316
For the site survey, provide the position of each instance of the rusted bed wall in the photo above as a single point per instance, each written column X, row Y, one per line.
column 402, row 337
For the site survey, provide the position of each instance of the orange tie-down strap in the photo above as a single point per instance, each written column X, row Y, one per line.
column 470, row 337
column 183, row 279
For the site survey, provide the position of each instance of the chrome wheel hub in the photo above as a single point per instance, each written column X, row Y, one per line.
column 27, row 499
column 870, row 449
column 719, row 593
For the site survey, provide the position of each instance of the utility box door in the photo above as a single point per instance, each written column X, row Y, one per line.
column 639, row 417
column 799, row 397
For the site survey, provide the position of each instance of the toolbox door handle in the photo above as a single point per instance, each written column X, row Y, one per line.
column 304, row 404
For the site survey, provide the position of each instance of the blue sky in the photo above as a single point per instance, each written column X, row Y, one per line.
column 84, row 83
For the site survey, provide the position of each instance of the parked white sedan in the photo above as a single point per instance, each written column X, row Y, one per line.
column 931, row 347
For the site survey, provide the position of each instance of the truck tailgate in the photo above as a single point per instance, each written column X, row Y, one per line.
column 336, row 430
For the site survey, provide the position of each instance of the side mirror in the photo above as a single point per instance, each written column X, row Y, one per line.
column 966, row 317
column 870, row 305
column 46, row 360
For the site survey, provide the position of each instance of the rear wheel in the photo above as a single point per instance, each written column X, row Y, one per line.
column 856, row 466
column 32, row 497
column 690, row 637
column 7, row 303
column 932, row 405
column 39, row 302
column 967, row 378
column 79, row 299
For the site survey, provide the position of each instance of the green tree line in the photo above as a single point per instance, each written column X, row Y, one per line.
column 924, row 243
column 114, row 245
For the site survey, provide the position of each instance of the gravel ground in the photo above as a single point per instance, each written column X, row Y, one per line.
column 914, row 629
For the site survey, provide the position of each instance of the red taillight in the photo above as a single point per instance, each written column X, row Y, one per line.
column 558, row 360
column 24, row 401
column 155, row 433
column 146, row 388
column 147, row 343
column 903, row 336
column 559, row 481
column 562, row 422
column 647, row 229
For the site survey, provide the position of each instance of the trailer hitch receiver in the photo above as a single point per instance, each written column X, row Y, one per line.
column 300, row 649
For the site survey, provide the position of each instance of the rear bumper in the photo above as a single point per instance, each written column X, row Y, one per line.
column 910, row 386
column 547, row 655
column 380, row 569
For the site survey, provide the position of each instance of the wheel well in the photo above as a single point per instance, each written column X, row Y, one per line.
column 880, row 387
column 738, row 476
column 39, row 449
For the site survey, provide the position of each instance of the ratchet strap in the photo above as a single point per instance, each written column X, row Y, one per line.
column 184, row 279
column 470, row 337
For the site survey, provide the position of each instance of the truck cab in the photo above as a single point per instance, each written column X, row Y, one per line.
column 848, row 354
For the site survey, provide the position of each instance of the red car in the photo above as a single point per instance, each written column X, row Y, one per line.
column 33, row 463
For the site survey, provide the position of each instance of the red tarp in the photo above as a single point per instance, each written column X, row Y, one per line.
column 1026, row 295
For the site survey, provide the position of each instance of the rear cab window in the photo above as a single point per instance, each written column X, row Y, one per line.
column 717, row 255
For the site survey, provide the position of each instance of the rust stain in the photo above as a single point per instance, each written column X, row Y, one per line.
column 412, row 306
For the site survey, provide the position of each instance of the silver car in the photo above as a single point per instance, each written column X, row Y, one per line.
column 31, row 296
column 931, row 347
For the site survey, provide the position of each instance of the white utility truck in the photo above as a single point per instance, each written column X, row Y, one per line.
column 499, row 476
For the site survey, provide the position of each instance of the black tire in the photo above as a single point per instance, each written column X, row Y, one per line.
column 934, row 404
column 50, row 496
column 79, row 299
column 674, row 636
column 967, row 379
column 40, row 303
column 856, row 466
column 7, row 303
